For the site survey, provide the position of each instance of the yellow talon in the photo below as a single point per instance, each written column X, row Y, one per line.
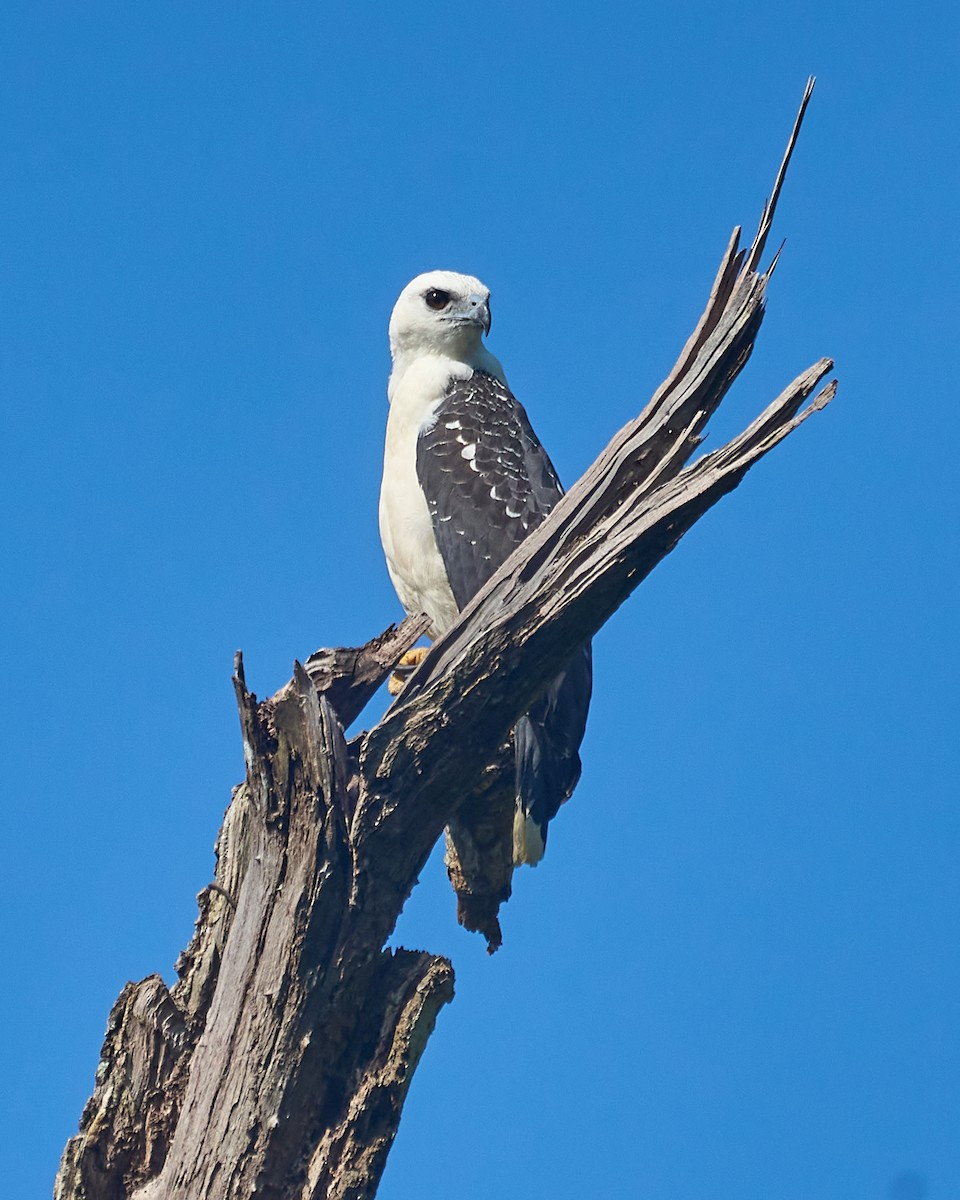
column 405, row 668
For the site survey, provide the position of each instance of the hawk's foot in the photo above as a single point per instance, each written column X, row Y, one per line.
column 405, row 668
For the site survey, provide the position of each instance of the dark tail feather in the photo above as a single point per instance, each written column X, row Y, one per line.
column 547, row 742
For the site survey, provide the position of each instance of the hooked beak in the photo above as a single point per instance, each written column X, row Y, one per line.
column 473, row 310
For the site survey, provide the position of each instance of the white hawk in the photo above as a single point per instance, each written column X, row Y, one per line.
column 464, row 481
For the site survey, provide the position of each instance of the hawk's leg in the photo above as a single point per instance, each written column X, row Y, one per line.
column 405, row 668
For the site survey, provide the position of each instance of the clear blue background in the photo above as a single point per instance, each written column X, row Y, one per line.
column 735, row 975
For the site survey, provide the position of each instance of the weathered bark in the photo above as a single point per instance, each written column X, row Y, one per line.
column 278, row 1064
column 479, row 851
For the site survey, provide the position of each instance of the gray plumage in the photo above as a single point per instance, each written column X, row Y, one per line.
column 465, row 480
column 488, row 483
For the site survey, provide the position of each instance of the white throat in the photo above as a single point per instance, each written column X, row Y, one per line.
column 433, row 369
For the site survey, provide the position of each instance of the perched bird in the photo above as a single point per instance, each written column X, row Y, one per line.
column 464, row 481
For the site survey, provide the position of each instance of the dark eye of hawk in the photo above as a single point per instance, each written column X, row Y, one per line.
column 437, row 299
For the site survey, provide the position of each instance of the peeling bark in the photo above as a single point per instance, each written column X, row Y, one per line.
column 278, row 1064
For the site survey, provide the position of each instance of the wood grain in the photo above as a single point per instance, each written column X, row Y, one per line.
column 278, row 1064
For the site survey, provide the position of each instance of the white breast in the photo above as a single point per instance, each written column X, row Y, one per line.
column 406, row 530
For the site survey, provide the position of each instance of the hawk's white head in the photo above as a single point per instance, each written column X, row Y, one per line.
column 442, row 313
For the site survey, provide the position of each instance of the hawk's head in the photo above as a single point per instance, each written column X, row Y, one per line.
column 440, row 312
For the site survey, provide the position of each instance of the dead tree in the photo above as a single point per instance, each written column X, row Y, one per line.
column 278, row 1064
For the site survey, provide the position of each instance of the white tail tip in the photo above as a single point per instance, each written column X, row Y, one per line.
column 528, row 841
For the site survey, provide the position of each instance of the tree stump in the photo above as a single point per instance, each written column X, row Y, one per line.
column 278, row 1064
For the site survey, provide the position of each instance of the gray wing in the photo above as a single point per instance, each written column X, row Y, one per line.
column 547, row 750
column 487, row 480
column 488, row 483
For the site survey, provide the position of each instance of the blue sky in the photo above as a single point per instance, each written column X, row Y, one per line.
column 735, row 974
